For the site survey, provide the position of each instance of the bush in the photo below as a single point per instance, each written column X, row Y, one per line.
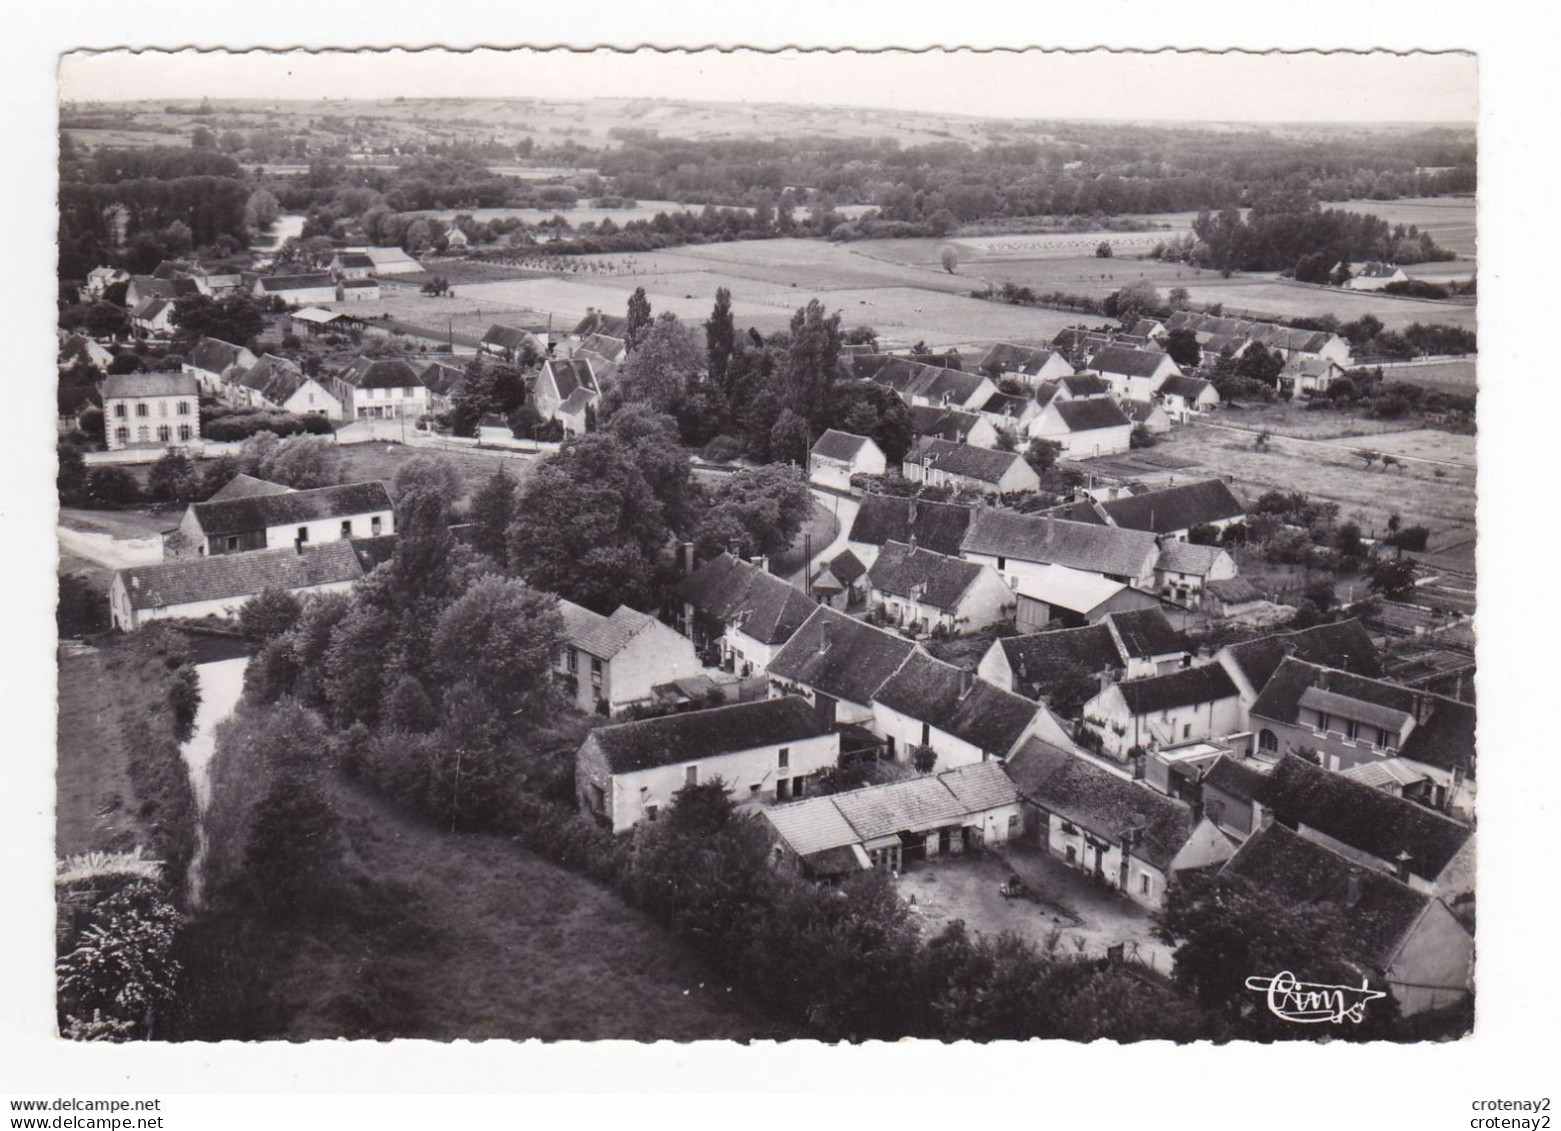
column 111, row 487
column 1412, row 538
column 223, row 425
column 722, row 449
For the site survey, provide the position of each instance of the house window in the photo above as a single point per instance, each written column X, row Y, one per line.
column 1013, row 824
column 784, row 756
column 596, row 672
column 119, row 412
column 782, row 789
column 122, row 434
column 184, row 408
column 346, row 528
column 374, row 525
column 303, row 534
column 1384, row 737
column 1351, row 728
column 651, row 811
column 162, row 408
column 184, row 432
column 164, row 434
column 1267, row 741
column 1186, row 730
column 1002, row 562
column 233, row 543
column 1143, row 883
column 141, row 410
column 691, row 776
column 572, row 660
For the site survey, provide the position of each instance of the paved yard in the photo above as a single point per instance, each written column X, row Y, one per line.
column 1074, row 913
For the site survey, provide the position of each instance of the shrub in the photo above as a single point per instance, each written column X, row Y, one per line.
column 722, row 449
column 111, row 487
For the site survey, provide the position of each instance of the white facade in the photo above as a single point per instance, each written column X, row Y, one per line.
column 1050, row 426
column 1109, row 716
column 987, row 601
column 126, row 618
column 151, row 422
column 654, row 655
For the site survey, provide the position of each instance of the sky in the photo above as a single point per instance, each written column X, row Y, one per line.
column 1168, row 85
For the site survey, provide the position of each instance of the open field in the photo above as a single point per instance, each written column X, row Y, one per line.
column 461, row 936
column 1291, row 419
column 1268, row 294
column 1448, row 376
column 95, row 805
column 382, row 461
column 1415, row 491
column 1451, row 220
column 641, row 210
column 1421, row 443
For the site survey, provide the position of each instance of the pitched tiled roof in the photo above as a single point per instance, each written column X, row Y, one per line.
column 1085, row 385
column 1103, row 802
column 386, row 373
column 511, row 338
column 224, row 576
column 572, row 374
column 839, row 656
column 847, row 567
column 944, row 423
column 576, row 402
column 1377, row 911
column 1007, row 404
column 441, row 378
column 1188, row 557
column 987, row 465
column 279, row 283
column 1364, row 818
column 691, row 735
column 606, row 345
column 597, row 322
column 1128, row 362
column 599, row 636
column 214, row 355
column 359, row 284
column 1037, row 538
column 274, row 378
column 1186, row 688
column 763, row 606
column 238, row 516
column 1007, row 358
column 355, row 259
column 843, row 446
column 243, row 486
column 933, row 692
column 1236, row 779
column 1189, row 388
column 1037, row 657
column 889, row 518
column 1234, row 590
column 1146, row 633
column 125, row 385
column 914, row 805
column 1345, row 645
column 1176, row 508
column 939, row 580
column 1089, row 414
column 1139, row 412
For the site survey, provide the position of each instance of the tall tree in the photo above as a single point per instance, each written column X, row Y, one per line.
column 639, row 319
column 720, row 337
column 668, row 359
column 812, row 361
column 492, row 505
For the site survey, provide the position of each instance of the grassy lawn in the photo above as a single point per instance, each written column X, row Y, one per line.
column 448, row 936
column 1289, row 418
column 823, row 526
column 95, row 807
column 138, row 523
column 381, row 460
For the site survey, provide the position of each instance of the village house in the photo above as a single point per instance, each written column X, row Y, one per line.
column 954, row 426
column 276, row 383
column 1173, row 512
column 221, row 586
column 840, row 582
column 78, row 349
column 764, row 752
column 1252, row 663
column 1029, row 365
column 881, row 519
column 961, row 467
column 920, row 384
column 296, row 290
column 609, row 664
column 738, row 613
column 441, row 379
column 390, row 260
column 1151, row 416
column 599, row 322
column 1307, row 376
column 564, row 391
column 1059, row 595
column 1185, row 569
column 1147, row 642
column 1163, row 710
column 213, row 363
column 1370, row 276
column 1349, row 720
column 922, row 591
column 150, row 410
column 837, row 664
column 352, row 265
column 142, row 287
column 894, row 826
column 1083, row 428
column 383, row 389
column 1405, row 939
column 605, row 346
column 1235, row 599
column 1187, row 397
column 837, row 456
column 1135, row 373
column 1101, row 822
column 358, row 290
column 1237, row 334
column 287, row 518
column 100, row 279
column 152, row 318
column 1011, row 413
column 929, row 705
column 1021, row 547
column 511, row 343
column 1027, row 664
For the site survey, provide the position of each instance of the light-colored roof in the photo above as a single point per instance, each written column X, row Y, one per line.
column 224, row 576
column 315, row 314
column 602, row 637
column 1081, row 545
column 812, row 825
column 1389, row 771
column 1189, row 558
column 834, row 444
column 1069, row 588
column 150, row 385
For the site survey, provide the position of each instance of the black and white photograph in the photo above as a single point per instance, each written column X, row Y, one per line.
column 776, row 551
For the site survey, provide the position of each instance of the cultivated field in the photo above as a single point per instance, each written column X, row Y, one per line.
column 1415, row 491
column 1448, row 376
column 1420, row 443
column 1451, row 220
column 641, row 210
column 95, row 808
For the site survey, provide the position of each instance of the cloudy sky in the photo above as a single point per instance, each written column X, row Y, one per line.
column 1188, row 86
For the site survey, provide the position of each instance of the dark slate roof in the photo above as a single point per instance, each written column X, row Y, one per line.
column 386, row 373
column 1007, row 358
column 1146, row 632
column 1233, row 590
column 1037, row 657
column 847, row 567
column 573, row 375
column 1107, row 805
column 1038, row 538
column 1175, row 508
column 692, row 735
column 355, row 259
column 1345, row 645
column 764, row 606
column 606, row 345
column 243, row 486
column 1081, row 511
column 988, row 465
column 1128, row 362
column 1445, row 739
column 510, row 338
column 1364, row 818
column 944, row 423
column 257, row 512
column 274, row 378
column 222, row 576
column 889, row 518
column 275, row 283
column 843, row 446
column 1189, row 387
column 1184, row 688
column 597, row 322
column 864, row 366
column 149, row 308
column 939, row 579
column 214, row 355
column 1007, row 404
column 125, row 385
column 1139, row 412
column 442, row 378
column 1091, row 413
column 839, row 656
column 1235, row 779
column 1377, row 914
column 1084, row 385
column 932, row 692
column 359, row 284
column 374, row 551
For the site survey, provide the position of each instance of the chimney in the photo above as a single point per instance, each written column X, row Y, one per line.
column 686, row 557
column 1401, row 866
column 1103, row 678
column 825, row 637
column 912, row 542
column 763, row 562
column 967, row 680
column 1051, row 526
column 1422, row 708
column 135, row 583
column 910, row 511
column 1352, row 888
